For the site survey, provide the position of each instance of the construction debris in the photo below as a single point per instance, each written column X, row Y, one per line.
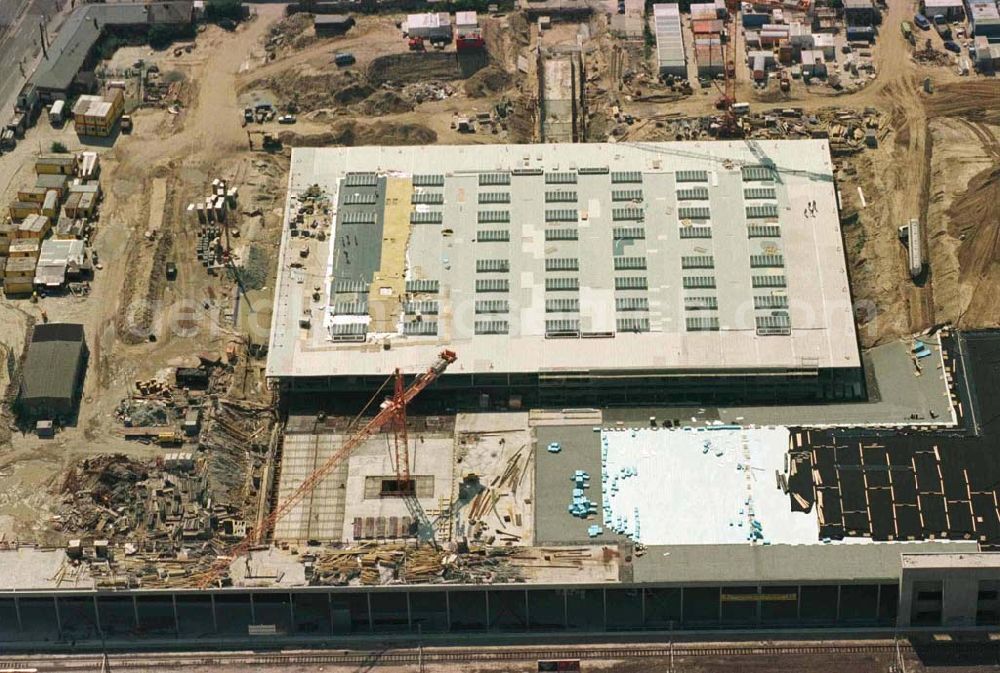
column 401, row 564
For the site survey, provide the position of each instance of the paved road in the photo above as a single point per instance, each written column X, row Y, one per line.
column 19, row 43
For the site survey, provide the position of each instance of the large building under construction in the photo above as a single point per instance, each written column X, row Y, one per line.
column 661, row 272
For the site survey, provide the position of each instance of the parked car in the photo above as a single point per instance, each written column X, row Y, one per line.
column 921, row 21
column 286, row 119
column 952, row 46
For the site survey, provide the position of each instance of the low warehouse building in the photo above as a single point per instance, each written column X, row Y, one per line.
column 75, row 50
column 53, row 372
column 332, row 25
column 670, row 56
column 579, row 315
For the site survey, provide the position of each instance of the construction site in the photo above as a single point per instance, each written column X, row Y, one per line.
column 335, row 328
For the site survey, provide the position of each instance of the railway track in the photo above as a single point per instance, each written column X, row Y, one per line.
column 151, row 661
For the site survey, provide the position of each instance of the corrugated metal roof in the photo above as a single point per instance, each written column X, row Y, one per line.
column 54, row 357
column 669, row 39
column 80, row 32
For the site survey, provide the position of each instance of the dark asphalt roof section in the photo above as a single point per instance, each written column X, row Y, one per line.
column 912, row 485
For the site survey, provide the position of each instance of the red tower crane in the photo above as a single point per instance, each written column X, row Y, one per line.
column 393, row 412
column 729, row 127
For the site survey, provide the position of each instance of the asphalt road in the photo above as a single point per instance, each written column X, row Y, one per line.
column 19, row 44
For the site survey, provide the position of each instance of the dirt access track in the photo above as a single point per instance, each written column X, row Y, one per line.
column 167, row 162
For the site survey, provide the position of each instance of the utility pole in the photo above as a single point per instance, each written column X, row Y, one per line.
column 41, row 33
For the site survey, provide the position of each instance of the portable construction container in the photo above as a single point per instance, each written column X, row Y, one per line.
column 429, row 26
column 703, row 11
column 50, row 206
column 67, row 228
column 24, row 247
column 87, row 205
column 97, row 115
column 759, row 73
column 6, row 235
column 56, row 181
column 19, row 210
column 705, row 27
column 34, row 226
column 61, row 164
column 78, row 187
column 32, row 194
column 466, row 22
column 332, row 25
column 751, row 20
column 19, row 275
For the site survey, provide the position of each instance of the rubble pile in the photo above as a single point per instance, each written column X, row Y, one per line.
column 142, row 413
column 124, row 500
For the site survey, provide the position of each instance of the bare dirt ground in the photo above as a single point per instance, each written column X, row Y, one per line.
column 896, row 179
column 129, row 299
column 137, row 324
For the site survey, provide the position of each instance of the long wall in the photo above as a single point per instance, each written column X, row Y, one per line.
column 464, row 391
column 63, row 617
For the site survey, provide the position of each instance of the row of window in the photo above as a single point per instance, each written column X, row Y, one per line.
column 761, row 302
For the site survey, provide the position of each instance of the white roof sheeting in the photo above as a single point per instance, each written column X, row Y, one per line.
column 812, row 272
column 669, row 39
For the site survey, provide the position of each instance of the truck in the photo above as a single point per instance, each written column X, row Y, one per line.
column 942, row 27
column 343, row 59
column 907, row 32
column 56, row 112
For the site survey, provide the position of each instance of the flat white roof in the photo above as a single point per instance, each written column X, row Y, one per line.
column 428, row 20
column 700, row 486
column 683, row 257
